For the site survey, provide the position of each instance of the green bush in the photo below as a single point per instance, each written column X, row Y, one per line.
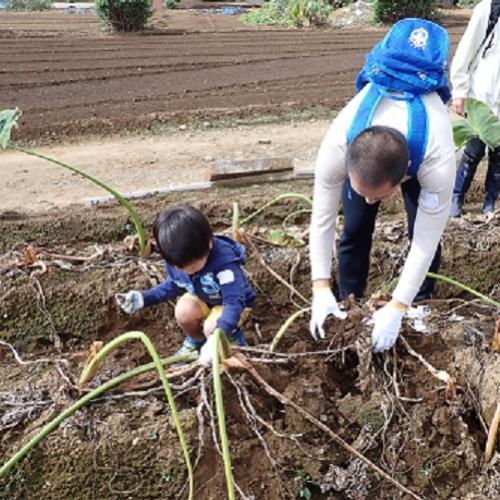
column 467, row 4
column 394, row 10
column 22, row 5
column 124, row 15
column 290, row 13
column 338, row 4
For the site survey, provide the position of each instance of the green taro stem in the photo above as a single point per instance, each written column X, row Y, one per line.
column 136, row 220
column 286, row 325
column 157, row 363
column 283, row 196
column 220, row 340
column 387, row 288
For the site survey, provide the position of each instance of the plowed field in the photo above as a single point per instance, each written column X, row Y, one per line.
column 70, row 77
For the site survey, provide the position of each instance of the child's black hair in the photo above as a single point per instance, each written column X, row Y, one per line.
column 378, row 155
column 183, row 235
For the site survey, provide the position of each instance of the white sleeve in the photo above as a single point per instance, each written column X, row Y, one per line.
column 467, row 50
column 329, row 177
column 436, row 177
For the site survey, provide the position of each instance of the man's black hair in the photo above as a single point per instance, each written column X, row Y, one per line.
column 378, row 155
column 183, row 235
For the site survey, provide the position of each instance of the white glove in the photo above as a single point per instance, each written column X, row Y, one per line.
column 386, row 326
column 323, row 304
column 207, row 352
column 131, row 301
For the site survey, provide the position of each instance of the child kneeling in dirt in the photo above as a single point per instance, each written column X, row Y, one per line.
column 205, row 271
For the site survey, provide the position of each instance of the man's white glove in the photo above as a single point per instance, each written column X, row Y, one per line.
column 207, row 352
column 386, row 326
column 323, row 304
column 131, row 301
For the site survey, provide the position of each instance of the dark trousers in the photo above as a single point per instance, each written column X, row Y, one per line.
column 473, row 154
column 356, row 241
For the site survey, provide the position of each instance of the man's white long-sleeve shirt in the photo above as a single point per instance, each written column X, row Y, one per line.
column 471, row 74
column 436, row 176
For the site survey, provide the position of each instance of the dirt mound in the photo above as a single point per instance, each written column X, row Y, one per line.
column 388, row 407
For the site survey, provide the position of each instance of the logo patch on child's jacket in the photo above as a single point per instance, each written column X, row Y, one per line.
column 186, row 285
column 225, row 277
column 208, row 284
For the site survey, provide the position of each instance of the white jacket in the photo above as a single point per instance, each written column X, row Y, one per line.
column 436, row 176
column 473, row 75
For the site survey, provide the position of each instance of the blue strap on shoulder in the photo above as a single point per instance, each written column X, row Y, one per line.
column 418, row 133
column 364, row 114
column 418, row 126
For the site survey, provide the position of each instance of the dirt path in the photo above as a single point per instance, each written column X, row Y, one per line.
column 137, row 163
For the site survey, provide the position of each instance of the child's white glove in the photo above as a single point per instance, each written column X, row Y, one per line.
column 131, row 301
column 324, row 303
column 207, row 352
column 386, row 326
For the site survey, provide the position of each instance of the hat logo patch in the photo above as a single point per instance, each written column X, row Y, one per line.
column 418, row 38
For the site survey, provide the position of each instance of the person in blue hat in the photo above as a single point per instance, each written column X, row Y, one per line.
column 394, row 134
column 205, row 271
column 475, row 72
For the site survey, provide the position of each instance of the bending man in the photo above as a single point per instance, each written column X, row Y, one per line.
column 409, row 145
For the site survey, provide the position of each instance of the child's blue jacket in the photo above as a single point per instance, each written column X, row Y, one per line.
column 221, row 281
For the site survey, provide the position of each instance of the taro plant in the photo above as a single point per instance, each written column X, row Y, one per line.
column 479, row 121
column 281, row 236
column 389, row 286
column 89, row 372
column 285, row 326
column 8, row 120
column 221, row 352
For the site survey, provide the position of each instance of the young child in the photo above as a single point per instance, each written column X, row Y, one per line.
column 205, row 271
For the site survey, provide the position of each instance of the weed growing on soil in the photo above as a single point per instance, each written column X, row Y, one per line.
column 290, row 13
column 28, row 5
column 8, row 119
column 306, row 484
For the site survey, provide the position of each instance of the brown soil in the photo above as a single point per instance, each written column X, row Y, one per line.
column 69, row 77
column 125, row 446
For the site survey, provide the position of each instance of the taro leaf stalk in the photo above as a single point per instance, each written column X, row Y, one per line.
column 93, row 364
column 480, row 121
column 8, row 119
column 389, row 286
column 278, row 198
column 221, row 351
column 286, row 325
column 77, row 405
